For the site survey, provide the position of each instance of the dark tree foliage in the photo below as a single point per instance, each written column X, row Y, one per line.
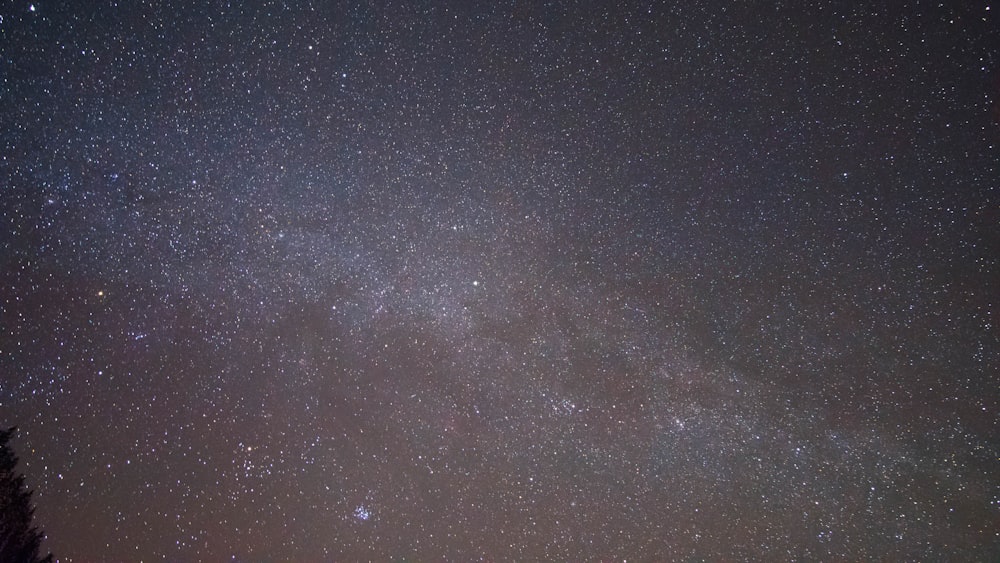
column 19, row 538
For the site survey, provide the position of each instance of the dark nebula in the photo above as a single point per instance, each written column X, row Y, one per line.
column 553, row 281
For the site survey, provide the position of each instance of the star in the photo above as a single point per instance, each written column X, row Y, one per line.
column 550, row 282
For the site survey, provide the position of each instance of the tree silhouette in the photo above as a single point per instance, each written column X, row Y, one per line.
column 19, row 538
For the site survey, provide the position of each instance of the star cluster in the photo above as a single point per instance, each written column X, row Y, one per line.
column 533, row 281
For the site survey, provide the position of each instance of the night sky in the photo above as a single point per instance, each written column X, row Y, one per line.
column 536, row 281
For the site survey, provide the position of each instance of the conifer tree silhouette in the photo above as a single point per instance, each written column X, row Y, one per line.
column 20, row 540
